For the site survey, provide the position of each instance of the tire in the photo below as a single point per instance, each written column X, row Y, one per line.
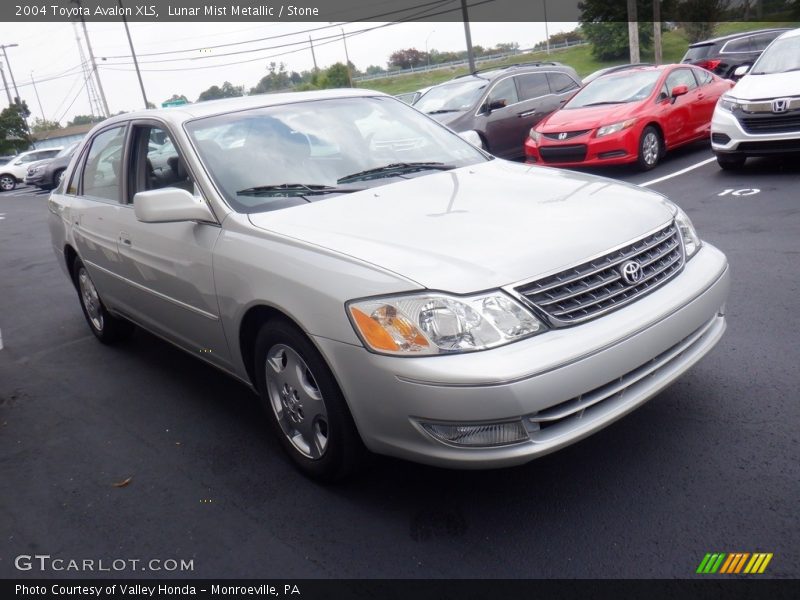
column 7, row 183
column 305, row 405
column 106, row 327
column 730, row 162
column 651, row 147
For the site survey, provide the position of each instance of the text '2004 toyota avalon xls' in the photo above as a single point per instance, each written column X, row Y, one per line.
column 381, row 283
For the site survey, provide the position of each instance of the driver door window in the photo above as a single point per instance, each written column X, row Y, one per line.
column 503, row 94
column 102, row 171
column 157, row 162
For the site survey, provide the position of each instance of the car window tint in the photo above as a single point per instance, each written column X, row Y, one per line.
column 504, row 91
column 739, row 45
column 162, row 165
column 760, row 42
column 561, row 83
column 532, row 85
column 681, row 77
column 102, row 171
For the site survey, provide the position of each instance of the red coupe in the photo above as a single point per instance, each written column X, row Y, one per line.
column 631, row 116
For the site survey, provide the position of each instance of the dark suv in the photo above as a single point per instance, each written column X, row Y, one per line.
column 723, row 55
column 501, row 104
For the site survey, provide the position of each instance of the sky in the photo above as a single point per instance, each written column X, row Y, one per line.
column 48, row 50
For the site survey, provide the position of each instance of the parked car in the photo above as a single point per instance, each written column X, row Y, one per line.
column 436, row 304
column 615, row 69
column 761, row 115
column 723, row 55
column 412, row 97
column 46, row 174
column 501, row 105
column 13, row 172
column 630, row 117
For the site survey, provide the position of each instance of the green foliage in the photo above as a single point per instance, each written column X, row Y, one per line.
column 176, row 97
column 336, row 76
column 42, row 125
column 275, row 80
column 86, row 119
column 14, row 136
column 228, row 90
column 610, row 40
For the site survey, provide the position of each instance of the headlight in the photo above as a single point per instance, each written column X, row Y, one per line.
column 691, row 241
column 535, row 135
column 728, row 103
column 615, row 128
column 434, row 323
column 33, row 170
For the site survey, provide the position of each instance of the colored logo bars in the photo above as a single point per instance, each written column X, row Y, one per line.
column 734, row 563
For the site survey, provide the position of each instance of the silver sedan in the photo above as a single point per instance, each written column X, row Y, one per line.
column 381, row 283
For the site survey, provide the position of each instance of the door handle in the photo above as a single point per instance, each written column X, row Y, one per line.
column 124, row 238
column 700, row 96
column 527, row 113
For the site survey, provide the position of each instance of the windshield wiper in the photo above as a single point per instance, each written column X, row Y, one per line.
column 605, row 102
column 297, row 189
column 395, row 168
column 440, row 111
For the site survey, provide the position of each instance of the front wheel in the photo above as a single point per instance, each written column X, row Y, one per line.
column 7, row 183
column 650, row 148
column 730, row 162
column 304, row 404
column 106, row 327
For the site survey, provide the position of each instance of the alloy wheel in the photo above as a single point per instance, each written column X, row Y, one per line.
column 91, row 300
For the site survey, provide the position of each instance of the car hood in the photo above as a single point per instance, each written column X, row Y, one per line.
column 572, row 119
column 764, row 87
column 478, row 227
column 447, row 117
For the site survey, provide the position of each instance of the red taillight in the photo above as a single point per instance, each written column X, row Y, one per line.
column 709, row 64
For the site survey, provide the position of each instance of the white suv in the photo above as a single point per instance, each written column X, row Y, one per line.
column 761, row 115
column 13, row 172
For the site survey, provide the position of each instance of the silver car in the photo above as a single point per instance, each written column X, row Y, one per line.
column 381, row 283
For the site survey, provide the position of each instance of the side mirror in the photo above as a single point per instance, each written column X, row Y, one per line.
column 168, row 205
column 741, row 71
column 678, row 90
column 472, row 137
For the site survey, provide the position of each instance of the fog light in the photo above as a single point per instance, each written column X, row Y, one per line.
column 479, row 435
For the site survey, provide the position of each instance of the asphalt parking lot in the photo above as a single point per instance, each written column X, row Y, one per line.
column 710, row 465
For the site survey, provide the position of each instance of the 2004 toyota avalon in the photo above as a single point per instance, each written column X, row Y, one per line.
column 380, row 282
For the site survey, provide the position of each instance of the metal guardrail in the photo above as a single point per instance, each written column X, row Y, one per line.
column 462, row 62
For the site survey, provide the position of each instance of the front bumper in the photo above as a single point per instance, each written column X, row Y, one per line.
column 615, row 149
column 615, row 362
column 741, row 143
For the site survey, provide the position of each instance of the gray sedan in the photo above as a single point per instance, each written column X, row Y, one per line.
column 381, row 283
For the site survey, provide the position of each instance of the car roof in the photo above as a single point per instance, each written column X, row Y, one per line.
column 790, row 33
column 177, row 115
column 734, row 36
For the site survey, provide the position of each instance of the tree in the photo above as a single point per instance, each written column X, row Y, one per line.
column 336, row 76
column 228, row 90
column 605, row 25
column 42, row 125
column 175, row 98
column 85, row 120
column 699, row 17
column 408, row 58
column 277, row 79
column 14, row 136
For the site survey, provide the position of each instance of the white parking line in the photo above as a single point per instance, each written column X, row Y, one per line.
column 676, row 173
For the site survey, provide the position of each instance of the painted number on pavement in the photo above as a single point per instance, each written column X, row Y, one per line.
column 742, row 192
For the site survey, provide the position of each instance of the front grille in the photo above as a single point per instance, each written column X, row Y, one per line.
column 570, row 153
column 772, row 123
column 597, row 287
column 569, row 134
column 769, row 147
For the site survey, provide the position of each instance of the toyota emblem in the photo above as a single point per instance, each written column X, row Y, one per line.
column 631, row 272
column 562, row 136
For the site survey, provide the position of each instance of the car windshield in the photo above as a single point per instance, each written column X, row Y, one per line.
column 616, row 89
column 452, row 97
column 781, row 56
column 274, row 157
column 68, row 150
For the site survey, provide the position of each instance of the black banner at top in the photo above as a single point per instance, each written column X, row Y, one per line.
column 399, row 10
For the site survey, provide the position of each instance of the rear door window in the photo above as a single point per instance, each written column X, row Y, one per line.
column 532, row 85
column 561, row 83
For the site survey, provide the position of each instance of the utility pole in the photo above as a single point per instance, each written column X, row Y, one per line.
column 657, row 31
column 91, row 91
column 546, row 31
column 133, row 53
column 5, row 84
column 10, row 72
column 470, row 55
column 107, row 113
column 347, row 57
column 313, row 56
column 35, row 91
column 633, row 31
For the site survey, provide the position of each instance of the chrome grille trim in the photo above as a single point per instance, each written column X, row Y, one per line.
column 595, row 287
